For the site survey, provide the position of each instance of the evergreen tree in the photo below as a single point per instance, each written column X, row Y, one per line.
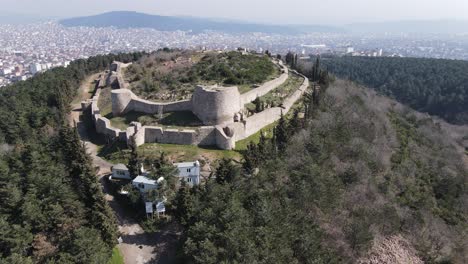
column 183, row 205
column 282, row 134
column 258, row 105
column 250, row 157
column 133, row 162
column 295, row 122
column 226, row 171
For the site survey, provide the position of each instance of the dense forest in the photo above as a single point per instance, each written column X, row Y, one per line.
column 51, row 208
column 438, row 87
column 361, row 180
column 358, row 179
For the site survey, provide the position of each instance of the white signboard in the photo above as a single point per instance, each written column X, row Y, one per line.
column 149, row 207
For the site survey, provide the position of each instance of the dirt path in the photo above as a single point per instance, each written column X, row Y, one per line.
column 137, row 247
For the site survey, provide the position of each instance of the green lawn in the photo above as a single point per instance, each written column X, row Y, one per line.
column 117, row 257
column 186, row 152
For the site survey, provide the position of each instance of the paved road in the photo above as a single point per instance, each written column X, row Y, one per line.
column 137, row 247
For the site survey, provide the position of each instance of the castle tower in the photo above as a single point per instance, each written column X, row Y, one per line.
column 216, row 105
column 121, row 98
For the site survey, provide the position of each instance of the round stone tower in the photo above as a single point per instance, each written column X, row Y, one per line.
column 216, row 105
column 120, row 100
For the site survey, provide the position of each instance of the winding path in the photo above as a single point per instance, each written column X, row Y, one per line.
column 137, row 247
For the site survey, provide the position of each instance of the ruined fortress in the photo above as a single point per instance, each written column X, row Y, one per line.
column 219, row 108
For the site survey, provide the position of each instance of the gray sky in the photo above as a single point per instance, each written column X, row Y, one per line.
column 269, row 11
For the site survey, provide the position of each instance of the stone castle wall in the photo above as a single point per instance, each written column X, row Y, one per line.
column 251, row 95
column 204, row 136
column 224, row 103
column 256, row 122
column 124, row 101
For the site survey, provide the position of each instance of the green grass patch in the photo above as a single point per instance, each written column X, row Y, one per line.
column 186, row 152
column 118, row 153
column 117, row 257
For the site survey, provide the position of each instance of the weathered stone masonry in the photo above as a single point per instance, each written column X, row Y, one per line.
column 219, row 108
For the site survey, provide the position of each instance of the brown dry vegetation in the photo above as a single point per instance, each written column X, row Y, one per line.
column 398, row 173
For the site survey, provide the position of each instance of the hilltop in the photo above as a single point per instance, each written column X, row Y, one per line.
column 128, row 19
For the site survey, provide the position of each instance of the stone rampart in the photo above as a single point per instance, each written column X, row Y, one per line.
column 124, row 101
column 256, row 122
column 148, row 107
column 215, row 106
column 266, row 87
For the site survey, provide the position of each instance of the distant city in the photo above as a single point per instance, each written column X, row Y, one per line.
column 28, row 49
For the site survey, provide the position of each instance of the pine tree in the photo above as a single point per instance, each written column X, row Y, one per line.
column 295, row 122
column 226, row 171
column 251, row 160
column 282, row 134
column 133, row 162
column 79, row 165
column 317, row 69
column 183, row 204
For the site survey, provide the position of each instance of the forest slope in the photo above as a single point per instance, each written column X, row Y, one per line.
column 52, row 208
column 438, row 87
column 367, row 180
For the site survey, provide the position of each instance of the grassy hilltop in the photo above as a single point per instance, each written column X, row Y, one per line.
column 173, row 74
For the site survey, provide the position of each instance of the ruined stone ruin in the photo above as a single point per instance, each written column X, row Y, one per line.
column 219, row 108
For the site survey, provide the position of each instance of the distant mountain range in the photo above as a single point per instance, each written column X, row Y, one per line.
column 130, row 19
column 126, row 19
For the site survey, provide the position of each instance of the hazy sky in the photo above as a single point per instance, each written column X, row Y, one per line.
column 270, row 11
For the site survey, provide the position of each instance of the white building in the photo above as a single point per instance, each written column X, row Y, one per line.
column 5, row 71
column 144, row 184
column 189, row 172
column 35, row 68
column 120, row 171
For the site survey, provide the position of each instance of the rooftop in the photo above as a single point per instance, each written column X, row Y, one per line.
column 144, row 180
column 120, row 166
column 187, row 164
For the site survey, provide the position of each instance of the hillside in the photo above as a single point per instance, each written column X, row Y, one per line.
column 127, row 19
column 52, row 209
column 366, row 181
column 438, row 87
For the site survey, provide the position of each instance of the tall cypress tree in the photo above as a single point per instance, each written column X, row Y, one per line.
column 282, row 134
column 183, row 204
column 133, row 162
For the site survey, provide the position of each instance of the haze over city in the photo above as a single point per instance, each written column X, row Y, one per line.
column 265, row 11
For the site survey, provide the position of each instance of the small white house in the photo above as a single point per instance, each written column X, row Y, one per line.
column 120, row 171
column 144, row 184
column 189, row 172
